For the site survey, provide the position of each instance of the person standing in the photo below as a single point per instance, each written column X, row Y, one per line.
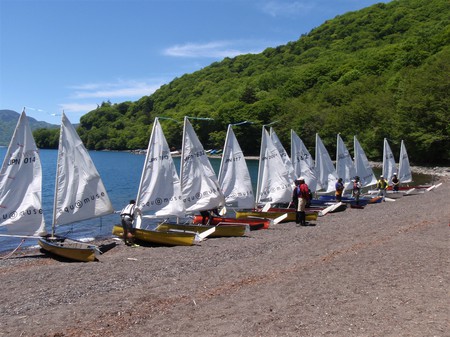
column 127, row 216
column 302, row 193
column 382, row 186
column 339, row 190
column 395, row 183
column 356, row 192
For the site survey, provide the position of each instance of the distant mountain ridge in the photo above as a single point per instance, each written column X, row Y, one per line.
column 8, row 122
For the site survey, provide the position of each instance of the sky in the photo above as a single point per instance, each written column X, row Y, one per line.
column 72, row 55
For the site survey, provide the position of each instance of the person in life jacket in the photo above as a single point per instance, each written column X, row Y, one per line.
column 356, row 192
column 301, row 193
column 395, row 183
column 127, row 216
column 339, row 189
column 382, row 186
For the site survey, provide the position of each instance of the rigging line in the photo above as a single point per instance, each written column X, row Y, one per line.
column 270, row 123
column 168, row 118
column 241, row 123
column 201, row 118
column 11, row 253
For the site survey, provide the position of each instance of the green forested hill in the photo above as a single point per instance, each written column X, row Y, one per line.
column 381, row 72
column 8, row 122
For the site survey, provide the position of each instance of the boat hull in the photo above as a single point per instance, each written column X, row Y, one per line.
column 291, row 216
column 69, row 249
column 221, row 231
column 254, row 223
column 160, row 237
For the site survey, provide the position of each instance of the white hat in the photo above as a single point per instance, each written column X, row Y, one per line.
column 381, row 176
column 301, row 178
column 395, row 173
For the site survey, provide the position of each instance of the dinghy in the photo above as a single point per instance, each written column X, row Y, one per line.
column 79, row 195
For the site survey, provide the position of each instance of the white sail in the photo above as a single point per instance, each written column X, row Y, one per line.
column 302, row 161
column 362, row 166
column 234, row 177
column 160, row 188
column 404, row 170
column 21, row 184
column 345, row 167
column 389, row 167
column 79, row 190
column 326, row 173
column 284, row 156
column 199, row 183
column 274, row 183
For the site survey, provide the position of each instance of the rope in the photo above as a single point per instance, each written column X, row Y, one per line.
column 11, row 253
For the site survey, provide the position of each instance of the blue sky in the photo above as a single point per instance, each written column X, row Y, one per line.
column 71, row 55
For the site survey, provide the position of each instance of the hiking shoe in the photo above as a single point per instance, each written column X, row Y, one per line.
column 134, row 245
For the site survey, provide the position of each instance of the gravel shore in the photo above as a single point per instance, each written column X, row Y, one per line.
column 378, row 271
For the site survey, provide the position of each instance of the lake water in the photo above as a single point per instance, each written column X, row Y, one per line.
column 121, row 173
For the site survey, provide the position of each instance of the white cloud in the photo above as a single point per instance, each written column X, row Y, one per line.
column 120, row 89
column 286, row 8
column 77, row 107
column 215, row 49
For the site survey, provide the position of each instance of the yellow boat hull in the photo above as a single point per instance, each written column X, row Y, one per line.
column 221, row 231
column 160, row 237
column 70, row 249
column 273, row 215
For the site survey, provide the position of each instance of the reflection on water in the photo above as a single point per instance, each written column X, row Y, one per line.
column 121, row 173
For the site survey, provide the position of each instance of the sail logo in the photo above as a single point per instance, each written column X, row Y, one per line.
column 80, row 203
column 240, row 194
column 160, row 201
column 272, row 156
column 162, row 157
column 234, row 159
column 302, row 157
column 344, row 155
column 200, row 195
column 16, row 215
column 18, row 161
column 195, row 155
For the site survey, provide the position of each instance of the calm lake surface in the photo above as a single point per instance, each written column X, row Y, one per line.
column 121, row 173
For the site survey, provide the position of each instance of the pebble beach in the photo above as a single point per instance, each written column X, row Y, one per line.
column 378, row 271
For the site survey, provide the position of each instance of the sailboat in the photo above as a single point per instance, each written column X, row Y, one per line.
column 234, row 177
column 389, row 166
column 362, row 165
column 236, row 185
column 200, row 188
column 404, row 169
column 302, row 161
column 21, row 185
column 160, row 193
column 79, row 195
column 284, row 156
column 274, row 181
column 326, row 173
column 345, row 167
